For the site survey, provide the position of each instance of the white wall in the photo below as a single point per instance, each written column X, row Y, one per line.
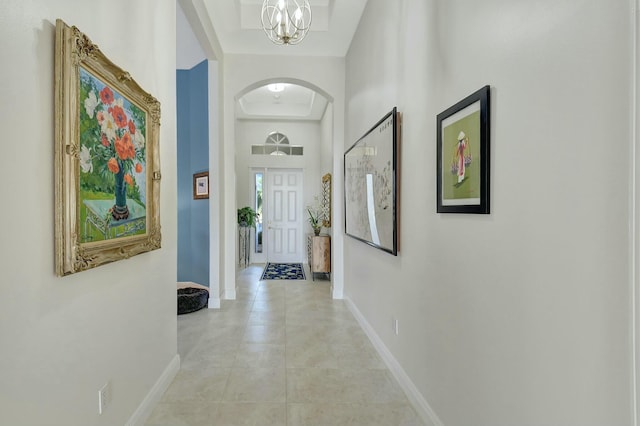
column 241, row 72
column 64, row 338
column 216, row 160
column 188, row 52
column 326, row 159
column 326, row 145
column 521, row 317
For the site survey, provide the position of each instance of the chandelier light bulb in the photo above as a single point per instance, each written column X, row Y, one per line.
column 276, row 87
column 298, row 16
column 286, row 21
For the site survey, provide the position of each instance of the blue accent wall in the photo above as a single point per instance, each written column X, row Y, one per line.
column 193, row 157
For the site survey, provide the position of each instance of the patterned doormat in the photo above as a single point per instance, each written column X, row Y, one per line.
column 283, row 271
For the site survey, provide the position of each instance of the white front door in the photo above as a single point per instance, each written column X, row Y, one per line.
column 284, row 215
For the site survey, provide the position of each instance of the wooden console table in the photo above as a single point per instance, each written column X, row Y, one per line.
column 319, row 254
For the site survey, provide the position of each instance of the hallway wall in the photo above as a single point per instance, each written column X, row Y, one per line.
column 326, row 164
column 521, row 317
column 193, row 157
column 62, row 339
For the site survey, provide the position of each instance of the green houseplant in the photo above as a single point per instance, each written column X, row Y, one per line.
column 314, row 221
column 247, row 217
column 315, row 216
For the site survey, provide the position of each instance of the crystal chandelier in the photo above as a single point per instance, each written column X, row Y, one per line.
column 286, row 21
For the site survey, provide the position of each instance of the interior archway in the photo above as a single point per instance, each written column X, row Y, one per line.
column 288, row 80
column 304, row 113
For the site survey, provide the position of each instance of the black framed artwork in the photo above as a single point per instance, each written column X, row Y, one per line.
column 463, row 155
column 370, row 179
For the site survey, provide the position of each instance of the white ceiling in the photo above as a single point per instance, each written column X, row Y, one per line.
column 189, row 52
column 294, row 102
column 235, row 26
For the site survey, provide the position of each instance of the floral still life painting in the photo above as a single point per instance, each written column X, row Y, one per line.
column 107, row 166
column 112, row 162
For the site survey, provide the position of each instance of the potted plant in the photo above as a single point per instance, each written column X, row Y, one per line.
column 315, row 217
column 247, row 217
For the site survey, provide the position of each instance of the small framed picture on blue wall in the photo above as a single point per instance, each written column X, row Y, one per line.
column 201, row 186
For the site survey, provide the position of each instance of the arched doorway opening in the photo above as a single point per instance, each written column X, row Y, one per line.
column 281, row 124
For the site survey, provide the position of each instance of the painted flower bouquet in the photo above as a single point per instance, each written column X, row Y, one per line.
column 112, row 151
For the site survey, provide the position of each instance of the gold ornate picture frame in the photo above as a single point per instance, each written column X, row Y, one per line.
column 326, row 200
column 107, row 165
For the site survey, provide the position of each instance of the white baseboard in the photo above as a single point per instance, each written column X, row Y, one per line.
column 416, row 399
column 214, row 303
column 144, row 410
column 229, row 294
column 335, row 293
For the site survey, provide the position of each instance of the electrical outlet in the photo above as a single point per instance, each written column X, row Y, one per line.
column 104, row 397
column 395, row 326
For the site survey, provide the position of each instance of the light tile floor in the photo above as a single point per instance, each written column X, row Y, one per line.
column 283, row 353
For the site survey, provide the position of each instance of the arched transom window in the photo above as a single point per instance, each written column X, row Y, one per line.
column 276, row 144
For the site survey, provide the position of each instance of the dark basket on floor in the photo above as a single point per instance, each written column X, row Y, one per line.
column 191, row 299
